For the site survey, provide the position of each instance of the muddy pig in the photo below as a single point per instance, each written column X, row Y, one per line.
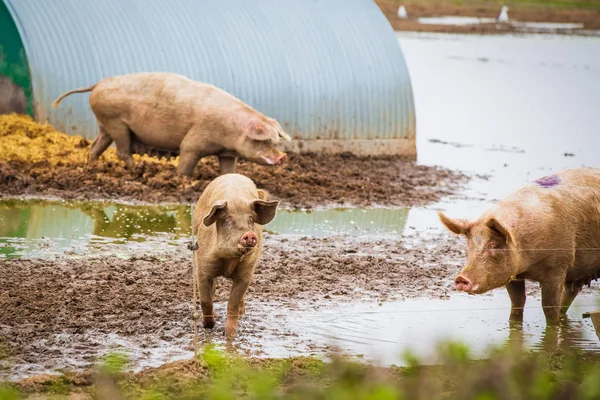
column 12, row 97
column 227, row 225
column 548, row 231
column 165, row 114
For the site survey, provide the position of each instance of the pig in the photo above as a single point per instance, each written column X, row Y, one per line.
column 12, row 97
column 547, row 231
column 165, row 114
column 227, row 222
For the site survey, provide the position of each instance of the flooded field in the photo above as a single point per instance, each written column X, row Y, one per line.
column 370, row 281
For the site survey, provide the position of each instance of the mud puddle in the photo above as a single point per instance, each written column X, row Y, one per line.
column 374, row 298
column 42, row 228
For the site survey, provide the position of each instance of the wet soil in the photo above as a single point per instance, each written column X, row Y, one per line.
column 589, row 15
column 306, row 180
column 36, row 160
column 58, row 312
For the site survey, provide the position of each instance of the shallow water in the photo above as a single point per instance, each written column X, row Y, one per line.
column 381, row 332
column 37, row 228
column 514, row 107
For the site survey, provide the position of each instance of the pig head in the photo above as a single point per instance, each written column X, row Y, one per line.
column 491, row 259
column 237, row 225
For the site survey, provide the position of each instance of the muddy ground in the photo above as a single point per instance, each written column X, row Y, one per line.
column 36, row 160
column 585, row 12
column 306, row 180
column 58, row 312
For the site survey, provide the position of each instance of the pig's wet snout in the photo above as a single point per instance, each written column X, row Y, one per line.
column 463, row 284
column 281, row 159
column 249, row 239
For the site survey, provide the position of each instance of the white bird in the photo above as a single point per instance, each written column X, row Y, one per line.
column 402, row 12
column 503, row 17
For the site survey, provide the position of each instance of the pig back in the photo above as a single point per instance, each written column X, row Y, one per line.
column 560, row 211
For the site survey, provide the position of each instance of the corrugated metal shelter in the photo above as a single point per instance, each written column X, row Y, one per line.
column 331, row 71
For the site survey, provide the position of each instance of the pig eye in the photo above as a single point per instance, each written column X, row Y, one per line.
column 250, row 220
column 492, row 244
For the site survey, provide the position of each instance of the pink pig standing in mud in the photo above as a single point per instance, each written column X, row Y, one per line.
column 227, row 224
column 166, row 114
column 547, row 231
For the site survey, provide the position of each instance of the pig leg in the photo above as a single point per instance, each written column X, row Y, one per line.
column 121, row 134
column 191, row 150
column 242, row 307
column 227, row 164
column 236, row 298
column 100, row 144
column 571, row 291
column 552, row 295
column 187, row 161
column 206, row 302
column 516, row 292
column 214, row 289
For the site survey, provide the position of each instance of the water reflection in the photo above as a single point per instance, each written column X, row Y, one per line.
column 571, row 333
column 356, row 222
column 29, row 227
column 37, row 227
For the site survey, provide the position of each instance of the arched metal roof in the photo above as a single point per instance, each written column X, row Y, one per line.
column 326, row 69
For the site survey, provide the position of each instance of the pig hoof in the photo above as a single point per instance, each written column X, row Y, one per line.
column 230, row 333
column 516, row 316
column 208, row 323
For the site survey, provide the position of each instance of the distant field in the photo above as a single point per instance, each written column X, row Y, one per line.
column 571, row 11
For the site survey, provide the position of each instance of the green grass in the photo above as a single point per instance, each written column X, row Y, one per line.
column 508, row 373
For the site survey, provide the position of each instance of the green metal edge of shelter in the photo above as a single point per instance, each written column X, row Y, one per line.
column 13, row 59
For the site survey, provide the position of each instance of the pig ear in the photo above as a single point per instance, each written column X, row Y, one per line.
column 265, row 210
column 263, row 194
column 281, row 132
column 458, row 226
column 498, row 230
column 214, row 213
column 257, row 130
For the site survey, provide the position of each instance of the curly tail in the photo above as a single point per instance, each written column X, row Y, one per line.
column 62, row 96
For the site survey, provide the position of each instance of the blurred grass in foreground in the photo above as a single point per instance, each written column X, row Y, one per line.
column 508, row 373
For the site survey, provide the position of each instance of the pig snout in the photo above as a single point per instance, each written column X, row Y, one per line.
column 249, row 239
column 463, row 283
column 281, row 159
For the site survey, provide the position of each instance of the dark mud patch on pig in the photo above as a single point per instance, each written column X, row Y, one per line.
column 60, row 312
column 307, row 180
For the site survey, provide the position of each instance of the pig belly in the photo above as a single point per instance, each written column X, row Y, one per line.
column 587, row 265
column 137, row 147
column 155, row 134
